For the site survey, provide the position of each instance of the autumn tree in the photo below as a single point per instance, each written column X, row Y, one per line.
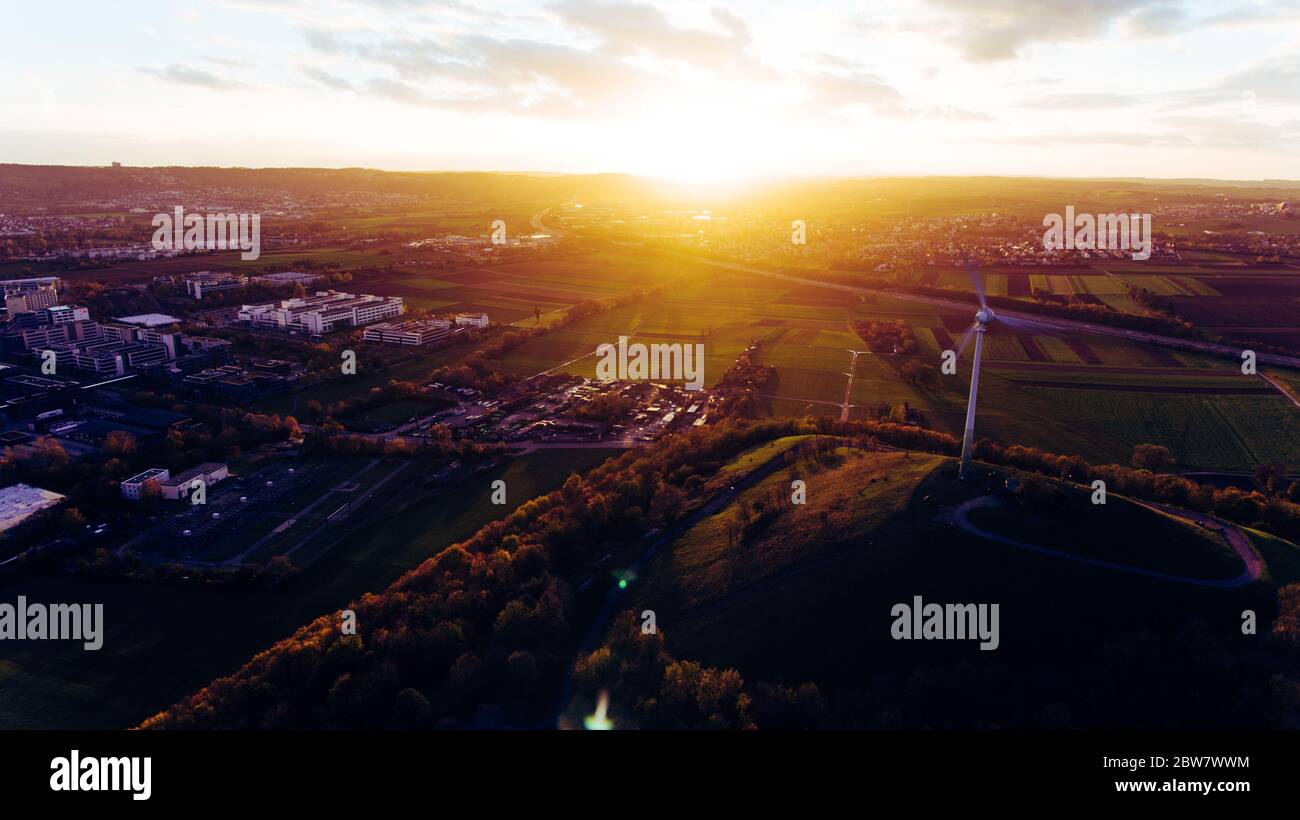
column 1152, row 457
column 119, row 444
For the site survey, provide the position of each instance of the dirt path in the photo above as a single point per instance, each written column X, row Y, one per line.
column 1282, row 388
column 1252, row 566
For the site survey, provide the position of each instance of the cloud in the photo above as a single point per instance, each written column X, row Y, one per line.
column 992, row 30
column 988, row 30
column 326, row 79
column 834, row 91
column 1186, row 132
column 326, row 42
column 395, row 90
column 636, row 28
column 1084, row 101
column 518, row 75
column 183, row 74
column 947, row 112
column 1238, row 133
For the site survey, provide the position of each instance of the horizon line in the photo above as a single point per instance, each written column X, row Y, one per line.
column 780, row 178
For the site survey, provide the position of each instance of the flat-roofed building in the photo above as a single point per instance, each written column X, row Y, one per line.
column 326, row 311
column 132, row 487
column 149, row 320
column 60, row 314
column 416, row 332
column 63, row 333
column 290, row 277
column 34, row 283
column 207, row 281
column 63, row 354
column 30, row 301
column 18, row 502
column 180, row 485
column 102, row 359
column 472, row 319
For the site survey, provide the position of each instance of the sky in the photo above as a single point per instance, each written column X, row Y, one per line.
column 685, row 91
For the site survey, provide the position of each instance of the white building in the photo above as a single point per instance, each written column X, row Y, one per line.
column 179, row 485
column 472, row 319
column 327, row 310
column 132, row 487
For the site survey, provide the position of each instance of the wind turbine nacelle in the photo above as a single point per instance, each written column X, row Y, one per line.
column 984, row 315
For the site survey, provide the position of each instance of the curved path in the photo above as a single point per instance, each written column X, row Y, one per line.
column 1235, row 538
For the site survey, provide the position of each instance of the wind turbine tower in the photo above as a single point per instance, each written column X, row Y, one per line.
column 982, row 317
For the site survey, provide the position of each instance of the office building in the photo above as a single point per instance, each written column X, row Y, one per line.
column 416, row 332
column 206, row 281
column 180, row 485
column 326, row 311
column 131, row 487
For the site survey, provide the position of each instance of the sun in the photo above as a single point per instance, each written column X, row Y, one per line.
column 703, row 143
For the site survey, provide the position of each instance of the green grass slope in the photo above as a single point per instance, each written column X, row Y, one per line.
column 806, row 594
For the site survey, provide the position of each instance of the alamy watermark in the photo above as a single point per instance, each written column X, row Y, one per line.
column 53, row 622
column 637, row 361
column 75, row 773
column 1088, row 232
column 919, row 621
column 180, row 231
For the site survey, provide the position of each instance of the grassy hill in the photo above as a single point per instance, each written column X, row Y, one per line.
column 805, row 594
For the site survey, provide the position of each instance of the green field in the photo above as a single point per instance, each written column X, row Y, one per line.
column 1204, row 431
column 163, row 641
column 394, row 413
column 415, row 369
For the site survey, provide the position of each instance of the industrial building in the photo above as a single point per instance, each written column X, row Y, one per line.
column 18, row 502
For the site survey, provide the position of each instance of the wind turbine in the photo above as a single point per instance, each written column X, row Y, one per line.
column 983, row 317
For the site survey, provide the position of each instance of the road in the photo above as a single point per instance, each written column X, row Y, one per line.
column 1047, row 322
column 1251, row 564
column 527, row 447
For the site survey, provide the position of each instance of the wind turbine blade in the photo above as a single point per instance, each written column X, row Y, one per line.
column 965, row 339
column 1020, row 323
column 978, row 281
